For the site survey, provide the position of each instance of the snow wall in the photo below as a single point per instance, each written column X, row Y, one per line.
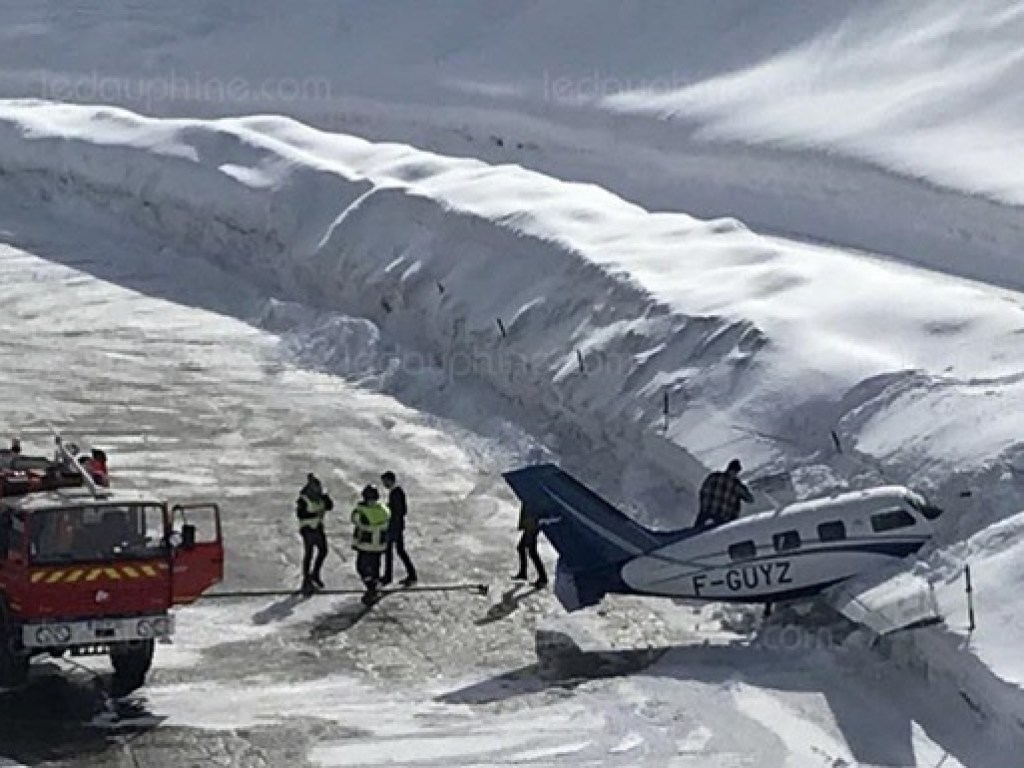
column 588, row 315
column 566, row 344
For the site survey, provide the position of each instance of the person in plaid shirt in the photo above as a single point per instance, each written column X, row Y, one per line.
column 721, row 495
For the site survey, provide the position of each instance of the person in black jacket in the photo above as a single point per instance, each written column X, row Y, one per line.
column 396, row 532
column 528, row 547
column 311, row 507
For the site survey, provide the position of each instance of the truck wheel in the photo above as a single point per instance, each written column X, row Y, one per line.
column 13, row 662
column 131, row 664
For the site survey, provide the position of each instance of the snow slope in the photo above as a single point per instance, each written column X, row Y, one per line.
column 925, row 88
column 817, row 119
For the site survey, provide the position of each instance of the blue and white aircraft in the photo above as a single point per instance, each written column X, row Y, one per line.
column 796, row 551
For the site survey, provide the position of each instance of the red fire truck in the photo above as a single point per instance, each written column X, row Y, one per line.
column 85, row 570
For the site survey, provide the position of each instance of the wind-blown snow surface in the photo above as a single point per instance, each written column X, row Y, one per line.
column 810, row 118
column 925, row 87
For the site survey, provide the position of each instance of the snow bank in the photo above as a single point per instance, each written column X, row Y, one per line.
column 581, row 310
column 584, row 311
column 980, row 662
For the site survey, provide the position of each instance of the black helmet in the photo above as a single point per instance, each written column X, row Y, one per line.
column 370, row 493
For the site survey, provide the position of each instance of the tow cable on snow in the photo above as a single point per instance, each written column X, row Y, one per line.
column 473, row 588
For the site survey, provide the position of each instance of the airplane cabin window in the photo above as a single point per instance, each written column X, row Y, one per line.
column 786, row 541
column 743, row 550
column 890, row 521
column 833, row 531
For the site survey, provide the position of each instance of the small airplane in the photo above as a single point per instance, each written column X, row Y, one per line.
column 797, row 551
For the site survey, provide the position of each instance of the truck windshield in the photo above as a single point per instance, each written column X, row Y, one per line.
column 97, row 532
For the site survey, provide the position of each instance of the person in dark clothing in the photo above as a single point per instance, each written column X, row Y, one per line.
column 398, row 506
column 721, row 495
column 311, row 507
column 98, row 468
column 528, row 546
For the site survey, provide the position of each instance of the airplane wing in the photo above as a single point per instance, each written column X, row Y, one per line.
column 886, row 602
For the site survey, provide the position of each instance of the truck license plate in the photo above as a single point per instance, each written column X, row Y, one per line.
column 103, row 629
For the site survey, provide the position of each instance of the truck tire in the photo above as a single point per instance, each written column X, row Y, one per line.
column 131, row 664
column 13, row 661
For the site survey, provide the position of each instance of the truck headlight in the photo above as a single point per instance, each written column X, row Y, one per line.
column 144, row 628
column 161, row 627
column 62, row 634
column 45, row 636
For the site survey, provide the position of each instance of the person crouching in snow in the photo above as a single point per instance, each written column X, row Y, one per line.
column 370, row 521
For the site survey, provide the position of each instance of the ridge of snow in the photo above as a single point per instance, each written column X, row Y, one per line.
column 820, row 119
column 766, row 345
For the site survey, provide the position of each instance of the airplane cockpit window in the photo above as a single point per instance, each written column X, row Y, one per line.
column 832, row 531
column 890, row 521
column 786, row 541
column 930, row 511
column 743, row 550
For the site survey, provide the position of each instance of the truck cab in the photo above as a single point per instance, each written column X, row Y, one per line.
column 87, row 571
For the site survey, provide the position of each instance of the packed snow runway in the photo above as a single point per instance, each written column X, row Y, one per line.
column 198, row 403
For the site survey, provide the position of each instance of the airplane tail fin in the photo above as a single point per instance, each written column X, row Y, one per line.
column 592, row 537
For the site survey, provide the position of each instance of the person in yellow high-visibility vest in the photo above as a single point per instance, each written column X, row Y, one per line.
column 370, row 521
column 311, row 507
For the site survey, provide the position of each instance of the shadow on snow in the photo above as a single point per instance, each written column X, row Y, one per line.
column 62, row 716
column 877, row 731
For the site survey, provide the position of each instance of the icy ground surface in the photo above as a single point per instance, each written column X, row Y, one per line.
column 442, row 681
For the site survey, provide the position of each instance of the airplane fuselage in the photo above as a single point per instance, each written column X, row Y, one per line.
column 779, row 555
column 792, row 552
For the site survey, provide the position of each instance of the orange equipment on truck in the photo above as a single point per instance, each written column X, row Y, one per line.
column 86, row 570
